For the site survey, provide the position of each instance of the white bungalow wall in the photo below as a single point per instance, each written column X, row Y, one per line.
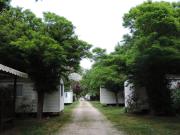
column 108, row 97
column 68, row 97
column 128, row 92
column 27, row 102
column 141, row 96
column 88, row 97
column 174, row 83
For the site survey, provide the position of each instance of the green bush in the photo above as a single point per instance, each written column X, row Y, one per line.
column 176, row 100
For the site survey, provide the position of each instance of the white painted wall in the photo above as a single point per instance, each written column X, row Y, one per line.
column 53, row 102
column 128, row 90
column 141, row 96
column 68, row 97
column 88, row 97
column 108, row 97
column 174, row 82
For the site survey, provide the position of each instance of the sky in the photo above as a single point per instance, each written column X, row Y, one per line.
column 98, row 22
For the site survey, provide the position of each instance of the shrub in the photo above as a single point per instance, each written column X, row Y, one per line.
column 176, row 100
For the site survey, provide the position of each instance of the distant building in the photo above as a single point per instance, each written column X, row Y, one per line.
column 88, row 97
column 68, row 97
column 108, row 97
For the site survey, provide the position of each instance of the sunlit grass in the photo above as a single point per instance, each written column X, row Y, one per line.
column 140, row 125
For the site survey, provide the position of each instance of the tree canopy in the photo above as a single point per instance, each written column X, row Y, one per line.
column 146, row 55
column 155, row 29
column 47, row 49
column 108, row 71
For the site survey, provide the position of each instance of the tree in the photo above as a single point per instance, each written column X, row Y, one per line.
column 41, row 55
column 44, row 58
column 62, row 30
column 98, row 54
column 155, row 39
column 16, row 24
column 40, row 50
column 108, row 71
column 147, row 55
column 4, row 4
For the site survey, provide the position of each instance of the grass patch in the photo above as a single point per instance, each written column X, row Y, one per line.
column 140, row 125
column 46, row 126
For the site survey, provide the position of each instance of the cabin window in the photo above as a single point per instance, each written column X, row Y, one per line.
column 61, row 87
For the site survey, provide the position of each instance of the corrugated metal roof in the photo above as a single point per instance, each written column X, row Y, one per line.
column 13, row 71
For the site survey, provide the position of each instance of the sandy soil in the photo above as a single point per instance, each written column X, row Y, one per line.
column 87, row 120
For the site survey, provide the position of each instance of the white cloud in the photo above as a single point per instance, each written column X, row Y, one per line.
column 98, row 22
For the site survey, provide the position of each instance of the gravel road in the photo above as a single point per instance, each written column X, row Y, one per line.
column 87, row 120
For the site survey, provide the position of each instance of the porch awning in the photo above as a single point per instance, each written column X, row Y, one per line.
column 13, row 71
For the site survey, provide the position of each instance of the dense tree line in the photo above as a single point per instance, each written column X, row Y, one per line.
column 146, row 55
column 47, row 49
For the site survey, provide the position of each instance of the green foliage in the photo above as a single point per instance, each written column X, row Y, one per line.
column 4, row 4
column 176, row 100
column 146, row 55
column 45, row 58
column 35, row 52
column 16, row 24
column 108, row 71
column 62, row 30
column 98, row 53
column 46, row 49
column 155, row 40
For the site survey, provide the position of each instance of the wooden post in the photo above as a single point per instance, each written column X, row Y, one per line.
column 14, row 95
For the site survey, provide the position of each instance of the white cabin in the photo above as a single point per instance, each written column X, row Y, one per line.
column 26, row 97
column 108, row 97
column 174, row 81
column 141, row 97
column 68, row 97
column 88, row 97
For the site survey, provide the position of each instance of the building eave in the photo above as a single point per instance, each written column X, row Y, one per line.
column 13, row 71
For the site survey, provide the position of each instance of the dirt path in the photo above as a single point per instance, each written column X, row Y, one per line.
column 88, row 121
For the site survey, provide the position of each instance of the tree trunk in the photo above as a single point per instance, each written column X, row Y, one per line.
column 116, row 97
column 40, row 105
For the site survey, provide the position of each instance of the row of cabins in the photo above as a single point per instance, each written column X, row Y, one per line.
column 125, row 97
column 26, row 97
column 17, row 95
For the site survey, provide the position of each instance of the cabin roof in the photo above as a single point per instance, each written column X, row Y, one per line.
column 13, row 71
